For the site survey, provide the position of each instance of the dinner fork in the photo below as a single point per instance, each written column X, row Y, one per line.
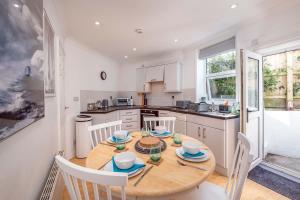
column 188, row 165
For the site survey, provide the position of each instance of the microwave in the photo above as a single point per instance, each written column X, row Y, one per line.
column 121, row 101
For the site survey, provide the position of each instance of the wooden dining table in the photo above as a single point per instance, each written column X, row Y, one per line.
column 167, row 179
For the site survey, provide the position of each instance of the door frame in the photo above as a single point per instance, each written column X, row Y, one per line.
column 244, row 112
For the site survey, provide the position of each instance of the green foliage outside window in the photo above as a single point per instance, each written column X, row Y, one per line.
column 222, row 87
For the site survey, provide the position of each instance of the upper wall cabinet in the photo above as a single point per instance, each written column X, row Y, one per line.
column 173, row 77
column 141, row 84
column 155, row 74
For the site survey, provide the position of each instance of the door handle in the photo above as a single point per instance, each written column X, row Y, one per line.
column 199, row 130
column 204, row 133
column 249, row 110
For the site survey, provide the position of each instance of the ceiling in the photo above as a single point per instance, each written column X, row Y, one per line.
column 162, row 21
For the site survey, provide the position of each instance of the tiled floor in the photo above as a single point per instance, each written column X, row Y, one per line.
column 252, row 190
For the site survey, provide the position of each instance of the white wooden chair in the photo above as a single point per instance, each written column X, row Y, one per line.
column 236, row 179
column 75, row 175
column 101, row 132
column 168, row 122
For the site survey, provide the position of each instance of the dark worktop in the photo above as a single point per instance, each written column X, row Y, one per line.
column 216, row 115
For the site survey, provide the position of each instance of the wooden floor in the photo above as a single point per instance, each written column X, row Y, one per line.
column 252, row 190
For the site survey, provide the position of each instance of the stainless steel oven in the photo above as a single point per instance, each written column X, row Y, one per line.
column 147, row 113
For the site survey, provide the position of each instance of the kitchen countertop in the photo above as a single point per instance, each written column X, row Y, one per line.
column 217, row 115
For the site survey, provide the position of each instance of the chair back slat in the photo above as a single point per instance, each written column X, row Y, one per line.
column 239, row 169
column 72, row 174
column 100, row 132
column 77, row 190
column 85, row 190
column 168, row 122
column 96, row 191
column 108, row 192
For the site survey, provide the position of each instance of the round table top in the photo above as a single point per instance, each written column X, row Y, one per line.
column 168, row 178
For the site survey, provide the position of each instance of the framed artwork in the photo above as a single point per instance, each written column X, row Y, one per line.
column 49, row 64
column 21, row 65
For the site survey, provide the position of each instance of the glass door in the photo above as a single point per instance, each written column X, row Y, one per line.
column 251, row 102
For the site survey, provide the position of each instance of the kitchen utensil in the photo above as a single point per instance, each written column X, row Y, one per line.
column 188, row 165
column 91, row 106
column 98, row 104
column 104, row 164
column 203, row 107
column 105, row 103
column 143, row 175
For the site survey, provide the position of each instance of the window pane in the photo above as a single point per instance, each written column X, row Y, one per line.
column 222, row 88
column 296, row 79
column 221, row 63
column 253, row 83
column 275, row 80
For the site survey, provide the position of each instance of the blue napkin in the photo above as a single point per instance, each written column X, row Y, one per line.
column 161, row 134
column 131, row 169
column 189, row 155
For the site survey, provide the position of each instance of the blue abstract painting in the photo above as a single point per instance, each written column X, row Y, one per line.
column 21, row 65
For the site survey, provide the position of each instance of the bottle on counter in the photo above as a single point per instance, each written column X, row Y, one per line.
column 131, row 101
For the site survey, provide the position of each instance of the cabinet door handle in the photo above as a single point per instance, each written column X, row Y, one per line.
column 199, row 130
column 204, row 133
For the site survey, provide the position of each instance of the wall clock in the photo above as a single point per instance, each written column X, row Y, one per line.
column 103, row 75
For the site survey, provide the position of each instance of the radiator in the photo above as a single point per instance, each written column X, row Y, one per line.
column 48, row 190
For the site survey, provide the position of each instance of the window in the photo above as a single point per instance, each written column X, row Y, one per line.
column 221, row 76
column 282, row 80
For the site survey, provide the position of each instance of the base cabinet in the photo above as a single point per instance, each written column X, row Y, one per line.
column 220, row 141
column 215, row 140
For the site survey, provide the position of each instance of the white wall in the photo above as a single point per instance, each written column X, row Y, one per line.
column 26, row 157
column 277, row 26
column 281, row 131
column 82, row 68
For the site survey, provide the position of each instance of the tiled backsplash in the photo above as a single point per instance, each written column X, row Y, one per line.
column 160, row 98
column 156, row 97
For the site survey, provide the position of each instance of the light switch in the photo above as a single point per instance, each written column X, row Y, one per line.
column 75, row 98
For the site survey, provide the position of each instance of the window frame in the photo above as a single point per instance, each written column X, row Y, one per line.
column 218, row 75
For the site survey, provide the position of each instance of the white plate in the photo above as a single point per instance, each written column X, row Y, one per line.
column 110, row 140
column 160, row 135
column 179, row 152
column 109, row 167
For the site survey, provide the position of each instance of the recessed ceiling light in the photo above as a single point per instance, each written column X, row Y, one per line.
column 16, row 5
column 125, row 57
column 97, row 23
column 134, row 49
column 176, row 40
column 235, row 5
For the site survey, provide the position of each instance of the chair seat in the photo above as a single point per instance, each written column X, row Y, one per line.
column 206, row 191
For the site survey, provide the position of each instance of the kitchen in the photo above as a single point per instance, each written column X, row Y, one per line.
column 130, row 61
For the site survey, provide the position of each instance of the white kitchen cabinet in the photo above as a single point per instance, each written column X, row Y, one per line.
column 130, row 119
column 215, row 140
column 219, row 135
column 155, row 74
column 173, row 77
column 141, row 85
column 193, row 130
